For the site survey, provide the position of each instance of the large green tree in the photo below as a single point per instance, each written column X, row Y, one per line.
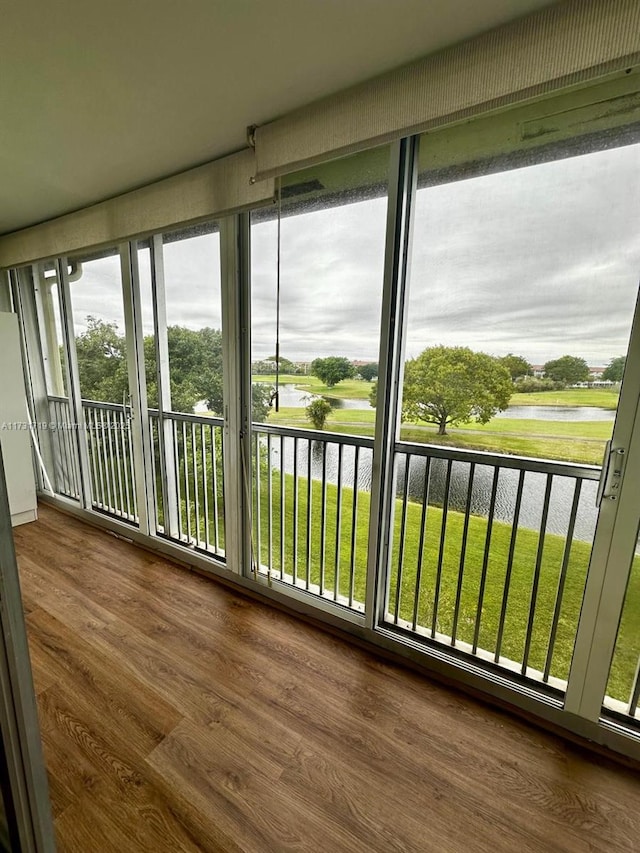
column 102, row 362
column 614, row 370
column 195, row 368
column 569, row 369
column 452, row 385
column 516, row 365
column 333, row 369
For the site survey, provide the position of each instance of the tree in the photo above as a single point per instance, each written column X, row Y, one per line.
column 261, row 397
column 318, row 411
column 284, row 364
column 569, row 369
column 373, row 395
column 614, row 370
column 516, row 365
column 102, row 362
column 369, row 371
column 452, row 385
column 333, row 369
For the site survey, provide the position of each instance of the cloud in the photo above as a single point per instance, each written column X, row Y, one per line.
column 540, row 261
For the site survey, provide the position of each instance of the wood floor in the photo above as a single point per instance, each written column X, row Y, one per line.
column 178, row 715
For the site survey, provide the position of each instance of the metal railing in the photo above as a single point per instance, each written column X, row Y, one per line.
column 111, row 468
column 487, row 548
column 489, row 553
column 311, row 510
column 66, row 477
column 188, row 454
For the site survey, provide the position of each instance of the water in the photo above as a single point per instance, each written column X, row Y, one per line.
column 558, row 413
column 291, row 397
column 532, row 496
column 534, row 484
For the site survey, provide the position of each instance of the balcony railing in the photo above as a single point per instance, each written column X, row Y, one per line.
column 111, row 459
column 66, row 476
column 489, row 552
column 188, row 454
column 311, row 510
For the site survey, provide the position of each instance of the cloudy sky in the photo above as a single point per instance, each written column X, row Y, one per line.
column 540, row 261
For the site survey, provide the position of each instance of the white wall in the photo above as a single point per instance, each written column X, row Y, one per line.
column 15, row 443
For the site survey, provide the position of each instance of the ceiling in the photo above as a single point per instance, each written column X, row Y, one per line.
column 99, row 98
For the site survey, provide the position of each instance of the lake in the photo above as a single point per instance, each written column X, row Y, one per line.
column 534, row 483
column 291, row 397
column 532, row 496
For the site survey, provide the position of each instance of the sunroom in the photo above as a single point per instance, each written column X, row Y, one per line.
column 306, row 369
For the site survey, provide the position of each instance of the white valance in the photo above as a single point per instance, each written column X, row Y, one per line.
column 215, row 189
column 566, row 44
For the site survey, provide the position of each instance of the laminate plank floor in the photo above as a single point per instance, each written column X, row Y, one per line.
column 179, row 715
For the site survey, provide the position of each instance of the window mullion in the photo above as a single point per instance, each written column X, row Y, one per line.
column 402, row 190
column 73, row 382
column 235, row 395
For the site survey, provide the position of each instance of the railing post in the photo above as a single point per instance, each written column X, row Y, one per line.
column 402, row 189
column 163, row 378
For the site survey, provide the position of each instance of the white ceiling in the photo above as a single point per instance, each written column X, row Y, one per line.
column 97, row 98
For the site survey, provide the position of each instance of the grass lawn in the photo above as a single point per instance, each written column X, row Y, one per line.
column 331, row 557
column 358, row 389
column 568, row 441
column 352, row 389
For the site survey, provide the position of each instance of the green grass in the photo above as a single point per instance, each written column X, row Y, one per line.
column 352, row 389
column 594, row 430
column 358, row 389
column 324, row 573
column 584, row 452
column 567, row 441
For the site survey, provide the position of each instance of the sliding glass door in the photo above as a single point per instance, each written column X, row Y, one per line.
column 524, row 281
column 317, row 269
column 99, row 339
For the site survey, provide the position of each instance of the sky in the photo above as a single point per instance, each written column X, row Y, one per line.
column 540, row 261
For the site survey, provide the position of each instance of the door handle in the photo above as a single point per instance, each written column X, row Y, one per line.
column 611, row 474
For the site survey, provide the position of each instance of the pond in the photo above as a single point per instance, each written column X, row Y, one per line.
column 532, row 498
column 534, row 484
column 291, row 397
column 558, row 413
